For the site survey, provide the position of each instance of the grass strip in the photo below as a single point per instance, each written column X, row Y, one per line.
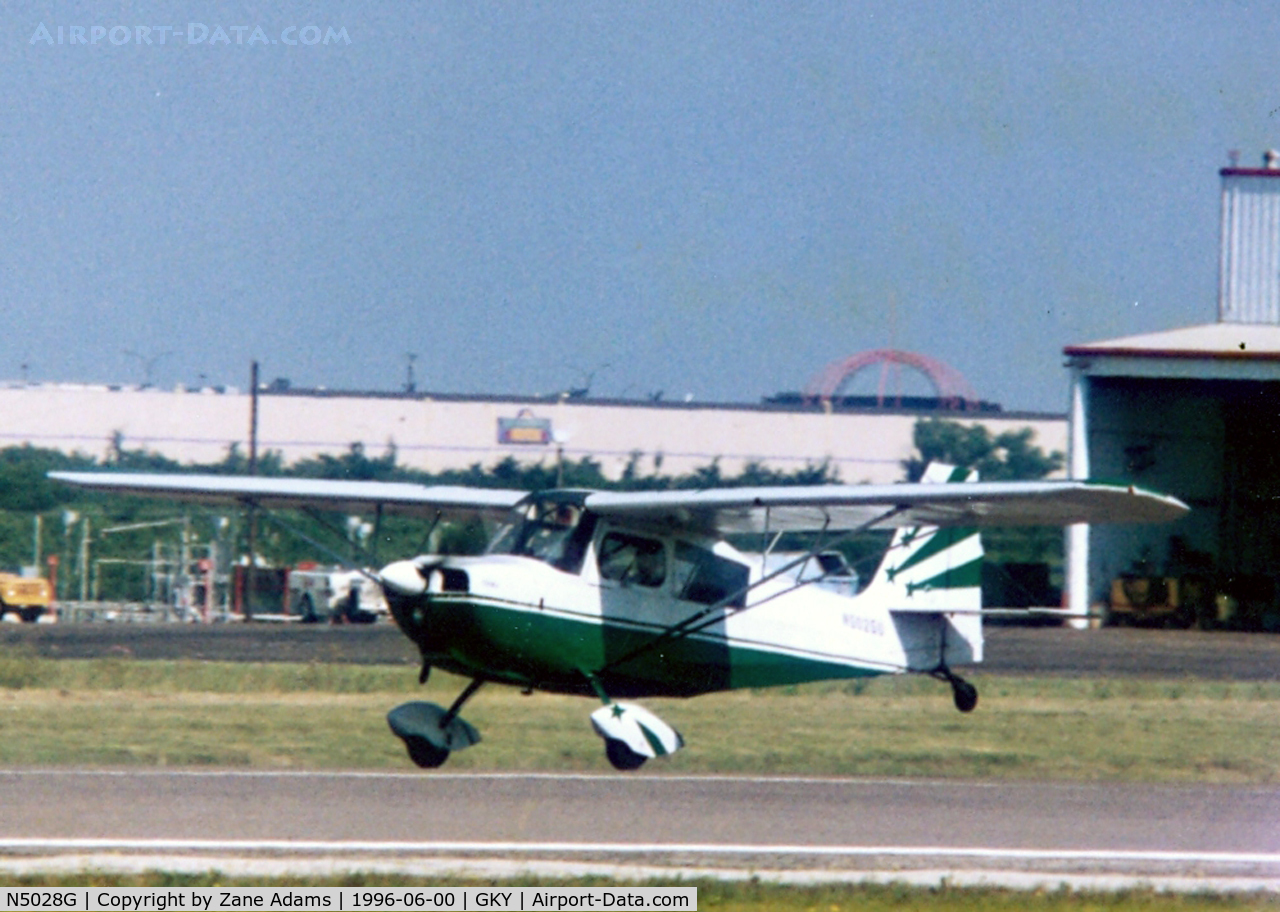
column 128, row 712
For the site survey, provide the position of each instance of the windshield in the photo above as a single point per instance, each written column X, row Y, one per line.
column 550, row 530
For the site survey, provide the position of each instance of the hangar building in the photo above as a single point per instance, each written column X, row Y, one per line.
column 1194, row 412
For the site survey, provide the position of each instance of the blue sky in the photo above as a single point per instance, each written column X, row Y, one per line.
column 710, row 199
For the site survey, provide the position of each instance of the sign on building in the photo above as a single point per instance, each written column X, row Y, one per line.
column 525, row 428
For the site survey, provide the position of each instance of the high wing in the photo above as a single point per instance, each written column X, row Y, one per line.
column 843, row 507
column 351, row 496
column 728, row 510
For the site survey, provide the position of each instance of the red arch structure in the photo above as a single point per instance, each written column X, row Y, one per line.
column 953, row 390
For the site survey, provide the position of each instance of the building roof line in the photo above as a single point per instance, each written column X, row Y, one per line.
column 1085, row 351
column 1222, row 341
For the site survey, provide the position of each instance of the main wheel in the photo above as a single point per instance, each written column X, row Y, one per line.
column 621, row 756
column 966, row 695
column 425, row 754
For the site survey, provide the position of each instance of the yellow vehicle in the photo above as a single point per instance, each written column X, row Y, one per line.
column 29, row 597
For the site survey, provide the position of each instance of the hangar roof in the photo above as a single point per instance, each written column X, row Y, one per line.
column 1212, row 350
column 1210, row 340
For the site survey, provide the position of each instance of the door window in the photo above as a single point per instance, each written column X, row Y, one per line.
column 633, row 559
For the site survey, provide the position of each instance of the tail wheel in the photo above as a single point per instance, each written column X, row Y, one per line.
column 966, row 695
column 621, row 756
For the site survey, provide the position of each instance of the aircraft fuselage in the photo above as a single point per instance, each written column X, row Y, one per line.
column 602, row 617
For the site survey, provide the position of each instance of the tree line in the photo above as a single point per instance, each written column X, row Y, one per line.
column 69, row 517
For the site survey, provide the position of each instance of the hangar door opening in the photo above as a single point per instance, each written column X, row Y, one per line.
column 1216, row 445
column 1249, row 522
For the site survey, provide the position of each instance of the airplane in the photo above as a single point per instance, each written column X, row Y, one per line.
column 627, row 595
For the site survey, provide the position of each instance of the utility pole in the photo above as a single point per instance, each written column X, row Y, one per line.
column 253, row 470
column 253, row 418
column 84, row 561
column 183, row 578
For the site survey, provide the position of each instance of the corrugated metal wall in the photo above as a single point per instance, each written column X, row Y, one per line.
column 1249, row 272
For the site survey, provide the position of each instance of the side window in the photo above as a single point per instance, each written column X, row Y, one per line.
column 706, row 578
column 633, row 559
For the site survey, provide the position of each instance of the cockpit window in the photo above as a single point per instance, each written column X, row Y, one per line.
column 632, row 559
column 551, row 531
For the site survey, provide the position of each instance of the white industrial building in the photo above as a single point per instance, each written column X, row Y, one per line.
column 436, row 433
column 1194, row 412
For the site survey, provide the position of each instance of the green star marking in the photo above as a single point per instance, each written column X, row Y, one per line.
column 617, row 711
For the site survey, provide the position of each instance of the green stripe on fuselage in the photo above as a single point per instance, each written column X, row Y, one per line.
column 553, row 650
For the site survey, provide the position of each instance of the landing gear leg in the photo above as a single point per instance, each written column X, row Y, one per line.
column 430, row 732
column 462, row 698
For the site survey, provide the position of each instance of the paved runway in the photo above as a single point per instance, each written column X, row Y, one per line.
column 826, row 827
column 1020, row 834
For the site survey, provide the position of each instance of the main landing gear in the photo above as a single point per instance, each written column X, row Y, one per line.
column 964, row 693
column 632, row 735
column 430, row 732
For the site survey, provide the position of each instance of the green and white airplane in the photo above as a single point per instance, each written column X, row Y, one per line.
column 631, row 595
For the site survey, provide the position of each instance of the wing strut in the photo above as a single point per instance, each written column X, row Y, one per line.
column 339, row 558
column 426, row 539
column 711, row 614
column 377, row 536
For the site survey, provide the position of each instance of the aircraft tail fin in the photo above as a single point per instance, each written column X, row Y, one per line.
column 931, row 581
column 931, row 569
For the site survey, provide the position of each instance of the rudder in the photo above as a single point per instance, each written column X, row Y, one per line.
column 931, row 582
